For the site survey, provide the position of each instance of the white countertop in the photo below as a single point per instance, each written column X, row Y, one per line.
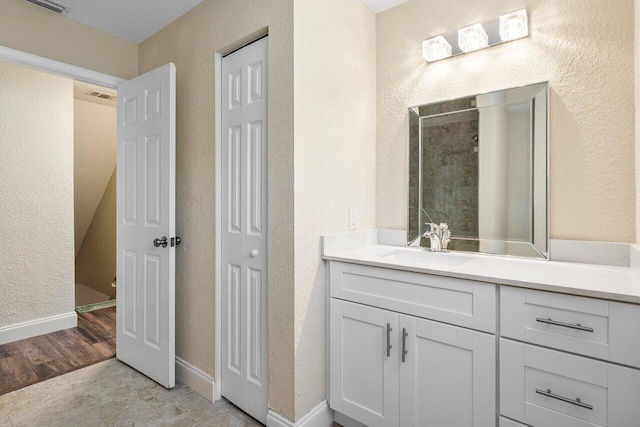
column 590, row 280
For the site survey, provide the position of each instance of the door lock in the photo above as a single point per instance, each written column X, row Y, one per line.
column 160, row 242
column 175, row 241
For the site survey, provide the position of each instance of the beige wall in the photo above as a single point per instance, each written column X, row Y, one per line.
column 191, row 43
column 94, row 154
column 584, row 49
column 96, row 258
column 30, row 29
column 335, row 160
column 637, row 57
column 36, row 195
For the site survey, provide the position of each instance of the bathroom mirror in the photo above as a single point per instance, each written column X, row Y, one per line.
column 479, row 164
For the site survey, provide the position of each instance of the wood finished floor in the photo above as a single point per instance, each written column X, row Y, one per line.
column 36, row 359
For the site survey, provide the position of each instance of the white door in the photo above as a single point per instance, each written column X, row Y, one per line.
column 447, row 375
column 145, row 212
column 244, row 229
column 365, row 357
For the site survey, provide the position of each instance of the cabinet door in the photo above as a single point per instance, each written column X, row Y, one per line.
column 363, row 370
column 447, row 377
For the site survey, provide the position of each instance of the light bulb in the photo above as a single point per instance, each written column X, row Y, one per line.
column 435, row 49
column 473, row 37
column 514, row 25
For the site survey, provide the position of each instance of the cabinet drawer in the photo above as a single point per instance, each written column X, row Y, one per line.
column 455, row 301
column 543, row 387
column 601, row 329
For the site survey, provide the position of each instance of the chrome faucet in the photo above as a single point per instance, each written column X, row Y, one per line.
column 439, row 235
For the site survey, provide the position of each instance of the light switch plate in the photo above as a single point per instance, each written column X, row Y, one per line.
column 353, row 218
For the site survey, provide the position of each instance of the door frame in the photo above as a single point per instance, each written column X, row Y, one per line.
column 217, row 384
column 61, row 69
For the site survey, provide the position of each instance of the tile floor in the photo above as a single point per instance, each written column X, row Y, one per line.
column 112, row 394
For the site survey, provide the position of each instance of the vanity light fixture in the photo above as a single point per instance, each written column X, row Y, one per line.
column 510, row 26
column 472, row 38
column 514, row 25
column 436, row 48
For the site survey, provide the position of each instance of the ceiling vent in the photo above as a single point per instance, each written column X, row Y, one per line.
column 49, row 5
column 102, row 95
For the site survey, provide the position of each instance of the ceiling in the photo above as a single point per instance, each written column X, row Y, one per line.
column 381, row 5
column 132, row 20
column 137, row 20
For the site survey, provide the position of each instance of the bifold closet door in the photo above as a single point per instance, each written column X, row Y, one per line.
column 244, row 229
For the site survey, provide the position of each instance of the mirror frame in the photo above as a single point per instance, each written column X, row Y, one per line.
column 536, row 252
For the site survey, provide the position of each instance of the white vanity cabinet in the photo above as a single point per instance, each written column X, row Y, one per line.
column 411, row 349
column 388, row 368
column 545, row 378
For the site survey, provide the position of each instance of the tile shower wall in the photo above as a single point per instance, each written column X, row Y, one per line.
column 450, row 174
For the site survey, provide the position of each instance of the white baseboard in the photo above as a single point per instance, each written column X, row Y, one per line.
column 195, row 379
column 37, row 327
column 320, row 416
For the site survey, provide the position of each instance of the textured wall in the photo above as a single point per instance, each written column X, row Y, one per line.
column 335, row 163
column 36, row 195
column 33, row 30
column 191, row 42
column 584, row 48
column 637, row 56
column 96, row 258
column 94, row 153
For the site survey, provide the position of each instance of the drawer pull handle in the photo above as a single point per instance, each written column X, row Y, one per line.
column 404, row 344
column 577, row 326
column 389, row 346
column 576, row 402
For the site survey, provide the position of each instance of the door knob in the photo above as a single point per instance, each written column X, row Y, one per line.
column 160, row 242
column 253, row 253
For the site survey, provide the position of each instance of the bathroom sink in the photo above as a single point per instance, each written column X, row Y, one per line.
column 423, row 257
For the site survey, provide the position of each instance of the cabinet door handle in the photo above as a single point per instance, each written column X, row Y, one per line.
column 404, row 344
column 389, row 346
column 577, row 326
column 576, row 402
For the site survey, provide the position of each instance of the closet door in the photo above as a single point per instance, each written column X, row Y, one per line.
column 364, row 360
column 447, row 375
column 244, row 229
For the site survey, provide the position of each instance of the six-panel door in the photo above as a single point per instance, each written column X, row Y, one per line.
column 244, row 223
column 145, row 296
